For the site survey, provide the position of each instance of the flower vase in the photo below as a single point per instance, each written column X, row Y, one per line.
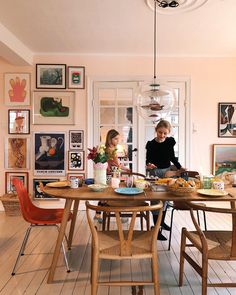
column 100, row 173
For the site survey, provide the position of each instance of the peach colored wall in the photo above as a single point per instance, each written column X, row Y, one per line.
column 213, row 80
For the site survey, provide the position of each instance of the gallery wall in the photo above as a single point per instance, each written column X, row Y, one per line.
column 213, row 80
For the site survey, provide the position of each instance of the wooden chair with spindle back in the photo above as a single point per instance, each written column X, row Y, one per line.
column 121, row 244
column 212, row 244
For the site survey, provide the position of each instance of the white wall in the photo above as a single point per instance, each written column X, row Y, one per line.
column 213, row 80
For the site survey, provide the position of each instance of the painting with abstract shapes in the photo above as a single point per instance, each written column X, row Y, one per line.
column 227, row 119
column 76, row 140
column 38, row 194
column 23, row 176
column 17, row 153
column 75, row 161
column 17, row 89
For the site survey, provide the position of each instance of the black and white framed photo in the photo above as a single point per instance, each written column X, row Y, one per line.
column 49, row 153
column 18, row 121
column 38, row 194
column 76, row 160
column 227, row 119
column 76, row 77
column 76, row 139
column 51, row 76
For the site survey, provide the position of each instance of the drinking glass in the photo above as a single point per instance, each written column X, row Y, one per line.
column 129, row 181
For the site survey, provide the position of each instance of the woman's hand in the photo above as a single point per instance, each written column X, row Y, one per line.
column 151, row 166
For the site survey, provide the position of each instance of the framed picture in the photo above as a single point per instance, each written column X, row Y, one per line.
column 76, row 139
column 77, row 175
column 76, row 77
column 38, row 194
column 17, row 153
column 227, row 119
column 17, row 89
column 49, row 153
column 75, row 160
column 23, row 176
column 51, row 108
column 224, row 159
column 18, row 121
column 51, row 76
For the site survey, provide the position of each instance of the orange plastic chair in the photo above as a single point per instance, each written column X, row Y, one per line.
column 36, row 217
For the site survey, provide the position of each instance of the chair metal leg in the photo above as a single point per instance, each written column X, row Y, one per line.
column 22, row 249
column 64, row 251
column 171, row 224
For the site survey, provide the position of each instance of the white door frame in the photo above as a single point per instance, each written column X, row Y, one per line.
column 172, row 79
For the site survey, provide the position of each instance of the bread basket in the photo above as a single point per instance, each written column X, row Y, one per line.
column 180, row 191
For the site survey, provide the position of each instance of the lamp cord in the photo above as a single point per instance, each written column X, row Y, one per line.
column 155, row 37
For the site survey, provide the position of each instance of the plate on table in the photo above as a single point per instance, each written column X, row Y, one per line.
column 129, row 190
column 212, row 192
column 58, row 184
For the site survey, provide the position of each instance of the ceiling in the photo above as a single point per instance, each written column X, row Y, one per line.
column 123, row 27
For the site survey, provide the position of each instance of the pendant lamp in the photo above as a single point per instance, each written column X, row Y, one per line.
column 155, row 101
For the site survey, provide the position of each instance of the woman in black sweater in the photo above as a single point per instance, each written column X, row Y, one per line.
column 159, row 156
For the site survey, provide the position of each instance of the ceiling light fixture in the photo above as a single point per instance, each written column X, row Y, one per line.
column 155, row 101
column 165, row 4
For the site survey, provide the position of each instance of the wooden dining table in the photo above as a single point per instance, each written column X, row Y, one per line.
column 84, row 193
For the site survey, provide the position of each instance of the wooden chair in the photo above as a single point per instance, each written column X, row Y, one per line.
column 122, row 244
column 36, row 217
column 142, row 215
column 182, row 205
column 212, row 244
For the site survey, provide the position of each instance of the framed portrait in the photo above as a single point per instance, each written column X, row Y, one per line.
column 76, row 139
column 17, row 153
column 75, row 160
column 23, row 176
column 53, row 108
column 38, row 194
column 224, row 159
column 76, row 77
column 18, row 121
column 17, row 89
column 227, row 119
column 49, row 154
column 51, row 76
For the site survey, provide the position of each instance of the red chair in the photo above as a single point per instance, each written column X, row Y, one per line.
column 36, row 217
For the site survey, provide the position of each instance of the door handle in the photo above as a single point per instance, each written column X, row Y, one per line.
column 134, row 150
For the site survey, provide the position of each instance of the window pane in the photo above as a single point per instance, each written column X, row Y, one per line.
column 107, row 115
column 107, row 96
column 124, row 96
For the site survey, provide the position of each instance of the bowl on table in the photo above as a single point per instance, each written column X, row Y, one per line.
column 97, row 187
column 181, row 191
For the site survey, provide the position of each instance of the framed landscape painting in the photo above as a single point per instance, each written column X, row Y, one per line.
column 51, row 76
column 49, row 153
column 227, row 119
column 17, row 89
column 53, row 107
column 76, row 77
column 224, row 159
column 18, row 121
column 38, row 194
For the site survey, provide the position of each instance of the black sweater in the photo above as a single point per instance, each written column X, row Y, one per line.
column 161, row 153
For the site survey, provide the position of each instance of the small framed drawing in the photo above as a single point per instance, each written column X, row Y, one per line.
column 38, row 194
column 53, row 107
column 76, row 139
column 224, row 159
column 76, row 77
column 51, row 76
column 49, row 154
column 75, row 160
column 18, row 121
column 17, row 153
column 77, row 175
column 23, row 176
column 17, row 89
column 227, row 119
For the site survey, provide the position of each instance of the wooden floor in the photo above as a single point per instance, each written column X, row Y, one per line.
column 32, row 271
